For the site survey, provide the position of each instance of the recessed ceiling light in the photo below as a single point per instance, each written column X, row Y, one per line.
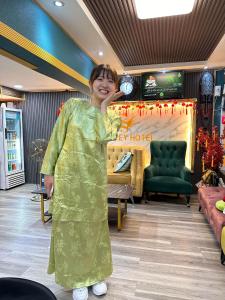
column 18, row 86
column 205, row 67
column 100, row 53
column 162, row 8
column 59, row 3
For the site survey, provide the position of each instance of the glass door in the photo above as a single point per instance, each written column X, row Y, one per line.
column 13, row 140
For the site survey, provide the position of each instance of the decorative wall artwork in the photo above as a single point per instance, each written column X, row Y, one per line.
column 207, row 84
column 206, row 98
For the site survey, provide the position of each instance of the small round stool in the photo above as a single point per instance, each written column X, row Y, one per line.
column 23, row 289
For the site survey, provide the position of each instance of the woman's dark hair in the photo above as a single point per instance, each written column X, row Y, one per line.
column 105, row 71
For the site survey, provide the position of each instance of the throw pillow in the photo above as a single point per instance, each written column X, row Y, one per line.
column 124, row 163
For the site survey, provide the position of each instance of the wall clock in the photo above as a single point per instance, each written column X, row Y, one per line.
column 128, row 86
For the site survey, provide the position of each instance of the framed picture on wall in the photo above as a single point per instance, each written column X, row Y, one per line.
column 163, row 85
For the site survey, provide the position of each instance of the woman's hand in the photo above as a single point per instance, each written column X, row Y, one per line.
column 49, row 180
column 112, row 97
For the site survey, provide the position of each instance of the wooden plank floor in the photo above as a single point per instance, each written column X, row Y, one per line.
column 166, row 251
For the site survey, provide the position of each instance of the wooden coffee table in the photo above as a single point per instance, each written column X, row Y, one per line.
column 120, row 193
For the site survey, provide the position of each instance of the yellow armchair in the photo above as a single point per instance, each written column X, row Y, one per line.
column 134, row 176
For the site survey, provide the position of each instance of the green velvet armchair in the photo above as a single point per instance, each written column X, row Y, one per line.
column 167, row 172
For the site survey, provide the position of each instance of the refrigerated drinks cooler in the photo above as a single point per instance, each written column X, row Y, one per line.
column 11, row 148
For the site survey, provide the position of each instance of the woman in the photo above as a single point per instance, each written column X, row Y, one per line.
column 75, row 164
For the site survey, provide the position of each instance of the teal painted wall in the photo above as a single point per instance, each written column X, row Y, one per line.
column 27, row 18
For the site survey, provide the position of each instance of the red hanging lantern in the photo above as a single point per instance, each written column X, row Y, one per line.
column 140, row 107
column 126, row 109
column 157, row 106
column 183, row 105
column 59, row 109
column 172, row 105
column 187, row 108
column 166, row 107
column 160, row 110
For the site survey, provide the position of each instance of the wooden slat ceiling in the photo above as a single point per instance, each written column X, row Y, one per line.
column 184, row 38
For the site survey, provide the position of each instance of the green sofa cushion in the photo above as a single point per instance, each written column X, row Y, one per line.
column 167, row 184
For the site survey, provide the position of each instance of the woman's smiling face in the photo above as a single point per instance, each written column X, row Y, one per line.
column 103, row 86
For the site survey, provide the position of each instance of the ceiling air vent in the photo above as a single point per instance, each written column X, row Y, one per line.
column 8, row 94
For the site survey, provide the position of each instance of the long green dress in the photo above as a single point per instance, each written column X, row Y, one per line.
column 80, row 251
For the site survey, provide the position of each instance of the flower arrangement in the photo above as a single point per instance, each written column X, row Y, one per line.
column 212, row 149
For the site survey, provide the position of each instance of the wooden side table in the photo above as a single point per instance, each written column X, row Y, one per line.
column 45, row 216
column 121, row 193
